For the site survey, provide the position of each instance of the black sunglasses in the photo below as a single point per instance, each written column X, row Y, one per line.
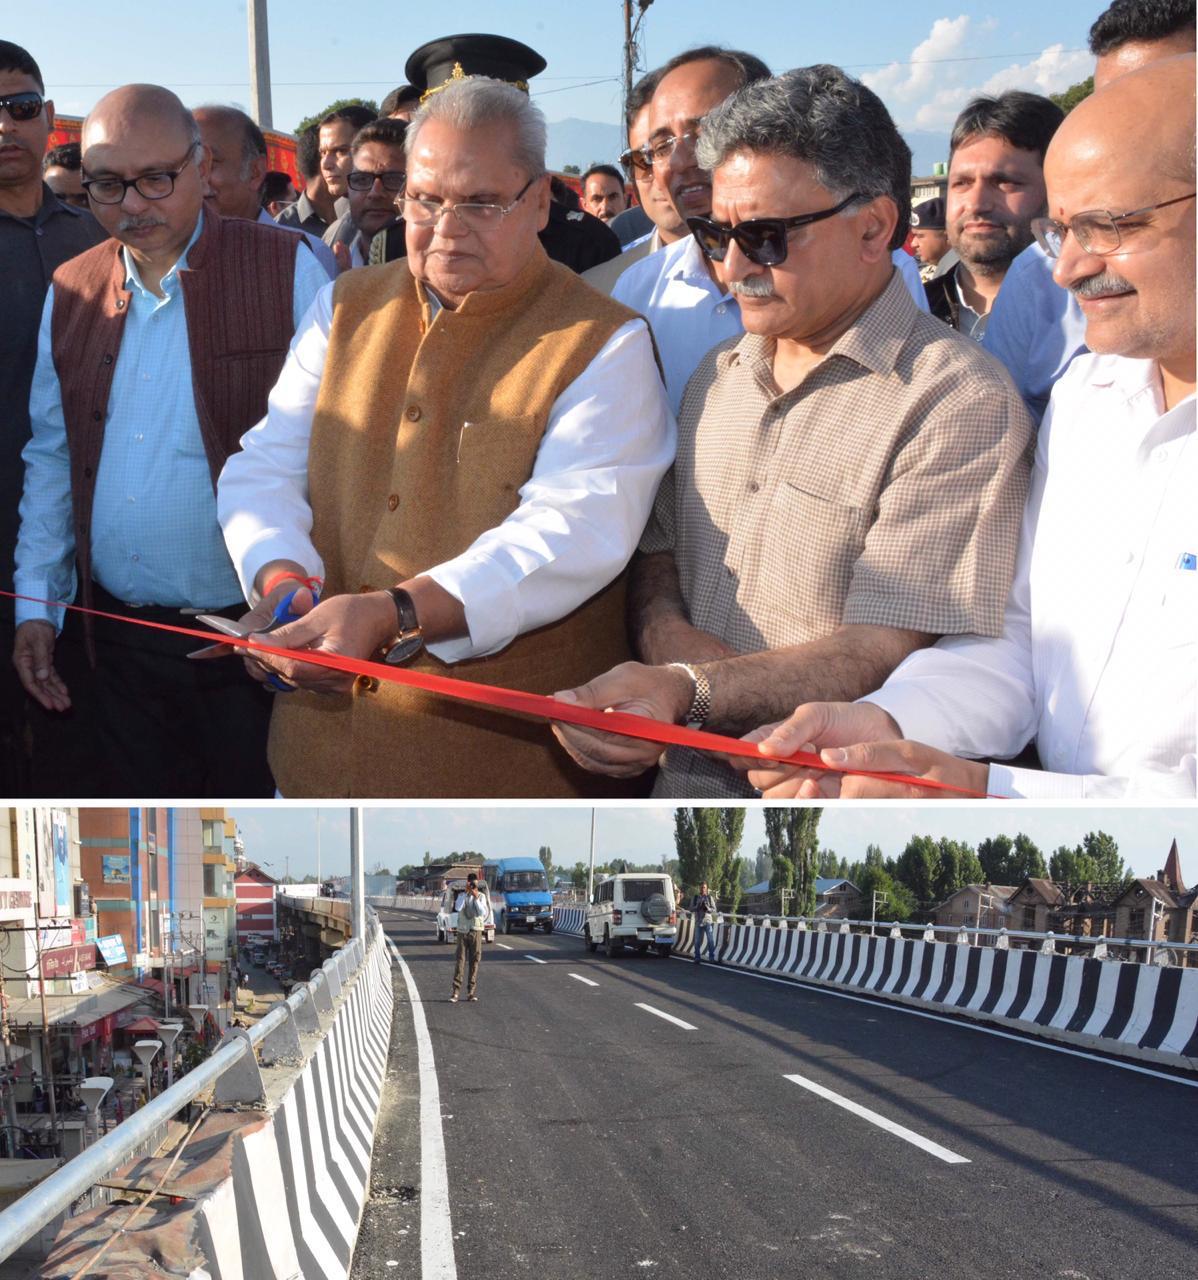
column 364, row 179
column 761, row 240
column 22, row 106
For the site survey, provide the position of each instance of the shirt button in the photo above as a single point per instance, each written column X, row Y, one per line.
column 39, row 231
column 721, row 309
column 753, row 486
column 393, row 502
column 140, row 436
column 96, row 415
column 412, row 413
column 1129, row 557
column 120, row 304
column 135, row 557
column 1160, row 455
column 108, row 359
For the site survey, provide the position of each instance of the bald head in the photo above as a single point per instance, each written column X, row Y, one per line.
column 237, row 160
column 1130, row 148
column 1143, row 120
column 130, row 109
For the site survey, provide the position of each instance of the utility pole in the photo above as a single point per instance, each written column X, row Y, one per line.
column 631, row 53
column 10, row 1102
column 255, row 11
column 47, row 1054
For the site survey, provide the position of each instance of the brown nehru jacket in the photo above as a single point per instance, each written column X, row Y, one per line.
column 425, row 429
column 237, row 298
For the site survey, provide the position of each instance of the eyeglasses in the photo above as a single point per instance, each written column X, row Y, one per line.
column 1096, row 230
column 22, row 106
column 636, row 159
column 761, row 240
column 150, row 186
column 364, row 180
column 470, row 215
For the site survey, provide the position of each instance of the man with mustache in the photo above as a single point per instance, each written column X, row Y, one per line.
column 1036, row 328
column 1098, row 657
column 38, row 232
column 850, row 472
column 156, row 353
column 995, row 189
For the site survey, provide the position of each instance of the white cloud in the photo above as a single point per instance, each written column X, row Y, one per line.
column 912, row 79
column 1055, row 69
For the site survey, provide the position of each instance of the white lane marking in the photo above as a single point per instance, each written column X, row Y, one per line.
column 579, row 978
column 535, row 960
column 962, row 1024
column 899, row 1131
column 436, row 1226
column 669, row 1017
column 504, row 945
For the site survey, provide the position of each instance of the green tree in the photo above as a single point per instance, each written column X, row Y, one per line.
column 918, row 867
column 873, row 856
column 994, row 854
column 308, row 121
column 763, row 865
column 1095, row 861
column 896, row 901
column 708, row 841
column 1026, row 860
column 578, row 878
column 1076, row 93
column 572, row 169
column 793, row 844
column 545, row 853
column 829, row 863
column 959, row 866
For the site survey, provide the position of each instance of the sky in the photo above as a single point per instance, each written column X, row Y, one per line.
column 924, row 60
column 284, row 838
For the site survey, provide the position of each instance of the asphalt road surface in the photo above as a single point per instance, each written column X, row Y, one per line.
column 649, row 1117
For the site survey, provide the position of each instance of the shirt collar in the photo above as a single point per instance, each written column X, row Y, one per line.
column 50, row 207
column 873, row 340
column 133, row 278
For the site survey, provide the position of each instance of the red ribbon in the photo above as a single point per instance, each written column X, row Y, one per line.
column 517, row 702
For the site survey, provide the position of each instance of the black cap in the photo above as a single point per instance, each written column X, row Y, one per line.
column 928, row 215
column 464, row 56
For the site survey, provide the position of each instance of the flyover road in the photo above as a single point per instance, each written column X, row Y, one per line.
column 648, row 1117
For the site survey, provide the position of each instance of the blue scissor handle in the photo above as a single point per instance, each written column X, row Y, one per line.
column 282, row 616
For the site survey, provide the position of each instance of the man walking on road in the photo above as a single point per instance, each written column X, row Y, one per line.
column 703, row 908
column 471, row 915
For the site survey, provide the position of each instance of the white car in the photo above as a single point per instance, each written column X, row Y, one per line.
column 447, row 916
column 634, row 909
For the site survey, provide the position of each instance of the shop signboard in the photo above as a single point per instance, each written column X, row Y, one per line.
column 78, row 983
column 16, row 901
column 62, row 962
column 112, row 949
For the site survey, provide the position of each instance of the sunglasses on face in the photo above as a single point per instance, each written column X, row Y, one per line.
column 22, row 106
column 763, row 241
column 364, row 179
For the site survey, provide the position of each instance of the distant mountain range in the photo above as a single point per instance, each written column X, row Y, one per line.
column 586, row 142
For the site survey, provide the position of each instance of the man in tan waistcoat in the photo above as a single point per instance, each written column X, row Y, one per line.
column 464, row 446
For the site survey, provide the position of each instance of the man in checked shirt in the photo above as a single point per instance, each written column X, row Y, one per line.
column 850, row 473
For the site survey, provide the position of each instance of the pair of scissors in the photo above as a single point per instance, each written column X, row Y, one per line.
column 282, row 615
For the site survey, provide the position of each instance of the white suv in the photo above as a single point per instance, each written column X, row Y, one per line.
column 637, row 909
column 447, row 917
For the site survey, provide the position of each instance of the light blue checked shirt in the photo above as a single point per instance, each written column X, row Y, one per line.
column 155, row 536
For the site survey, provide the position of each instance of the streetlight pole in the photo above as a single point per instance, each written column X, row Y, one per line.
column 255, row 12
column 591, row 868
column 357, row 879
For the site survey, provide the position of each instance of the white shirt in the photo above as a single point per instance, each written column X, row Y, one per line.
column 609, row 440
column 1098, row 660
column 690, row 312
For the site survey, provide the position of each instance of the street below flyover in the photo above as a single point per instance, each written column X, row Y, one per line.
column 646, row 1116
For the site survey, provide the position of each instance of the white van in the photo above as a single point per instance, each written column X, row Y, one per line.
column 634, row 909
column 447, row 916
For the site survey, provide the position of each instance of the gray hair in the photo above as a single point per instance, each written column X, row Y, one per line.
column 827, row 119
column 469, row 104
column 253, row 141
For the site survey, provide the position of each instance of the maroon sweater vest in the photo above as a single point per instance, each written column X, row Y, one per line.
column 237, row 297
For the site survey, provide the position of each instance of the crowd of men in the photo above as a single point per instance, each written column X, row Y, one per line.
column 764, row 471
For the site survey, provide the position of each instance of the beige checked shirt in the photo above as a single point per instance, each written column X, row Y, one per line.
column 886, row 489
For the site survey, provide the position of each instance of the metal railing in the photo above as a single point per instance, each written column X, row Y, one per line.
column 232, row 1070
column 976, row 934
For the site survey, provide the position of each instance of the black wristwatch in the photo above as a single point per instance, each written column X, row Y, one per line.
column 410, row 638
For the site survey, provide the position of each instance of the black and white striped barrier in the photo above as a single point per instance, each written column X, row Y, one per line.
column 569, row 920
column 1138, row 1010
